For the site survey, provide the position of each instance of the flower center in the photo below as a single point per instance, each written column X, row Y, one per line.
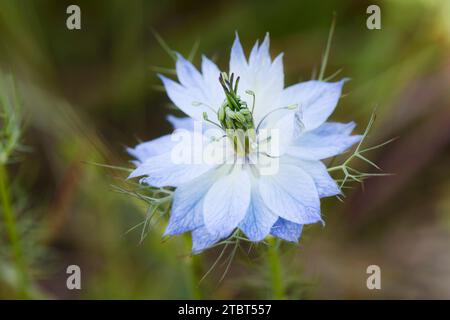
column 234, row 113
column 235, row 117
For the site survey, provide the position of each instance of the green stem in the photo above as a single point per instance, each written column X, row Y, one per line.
column 275, row 270
column 193, row 266
column 323, row 65
column 11, row 230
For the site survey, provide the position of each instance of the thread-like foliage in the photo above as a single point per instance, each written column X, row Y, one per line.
column 350, row 174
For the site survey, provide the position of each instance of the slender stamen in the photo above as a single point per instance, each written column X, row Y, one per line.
column 205, row 117
column 249, row 92
column 219, row 138
column 236, row 84
column 199, row 104
column 268, row 155
column 290, row 107
column 268, row 139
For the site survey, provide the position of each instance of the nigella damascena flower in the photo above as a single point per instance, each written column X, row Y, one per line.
column 259, row 166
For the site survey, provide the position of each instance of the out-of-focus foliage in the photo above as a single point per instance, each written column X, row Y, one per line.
column 86, row 92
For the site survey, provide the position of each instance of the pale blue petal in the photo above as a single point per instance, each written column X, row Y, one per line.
column 252, row 59
column 187, row 74
column 260, row 75
column 325, row 184
column 210, row 71
column 266, row 79
column 183, row 98
column 206, row 92
column 276, row 71
column 291, row 194
column 193, row 96
column 187, row 206
column 181, row 123
column 287, row 230
column 189, row 124
column 215, row 93
column 238, row 62
column 260, row 55
column 259, row 219
column 316, row 99
column 284, row 124
column 161, row 171
column 325, row 142
column 151, row 148
column 330, row 128
column 202, row 239
column 263, row 52
column 227, row 202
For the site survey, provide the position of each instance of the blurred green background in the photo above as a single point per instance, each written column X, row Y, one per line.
column 87, row 94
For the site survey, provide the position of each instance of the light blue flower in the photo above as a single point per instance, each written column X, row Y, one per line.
column 212, row 200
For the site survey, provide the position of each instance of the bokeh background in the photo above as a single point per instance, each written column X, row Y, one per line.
column 88, row 94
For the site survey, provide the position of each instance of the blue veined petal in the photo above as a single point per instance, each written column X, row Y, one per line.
column 211, row 75
column 291, row 194
column 184, row 98
column 186, row 123
column 151, row 148
column 210, row 71
column 254, row 54
column 287, row 230
column 260, row 55
column 187, row 74
column 323, row 143
column 259, row 219
column 281, row 127
column 330, row 128
column 266, row 79
column 276, row 71
column 202, row 239
column 205, row 87
column 325, row 184
column 164, row 144
column 317, row 100
column 238, row 62
column 187, row 206
column 189, row 124
column 261, row 75
column 193, row 96
column 263, row 52
column 161, row 171
column 227, row 202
